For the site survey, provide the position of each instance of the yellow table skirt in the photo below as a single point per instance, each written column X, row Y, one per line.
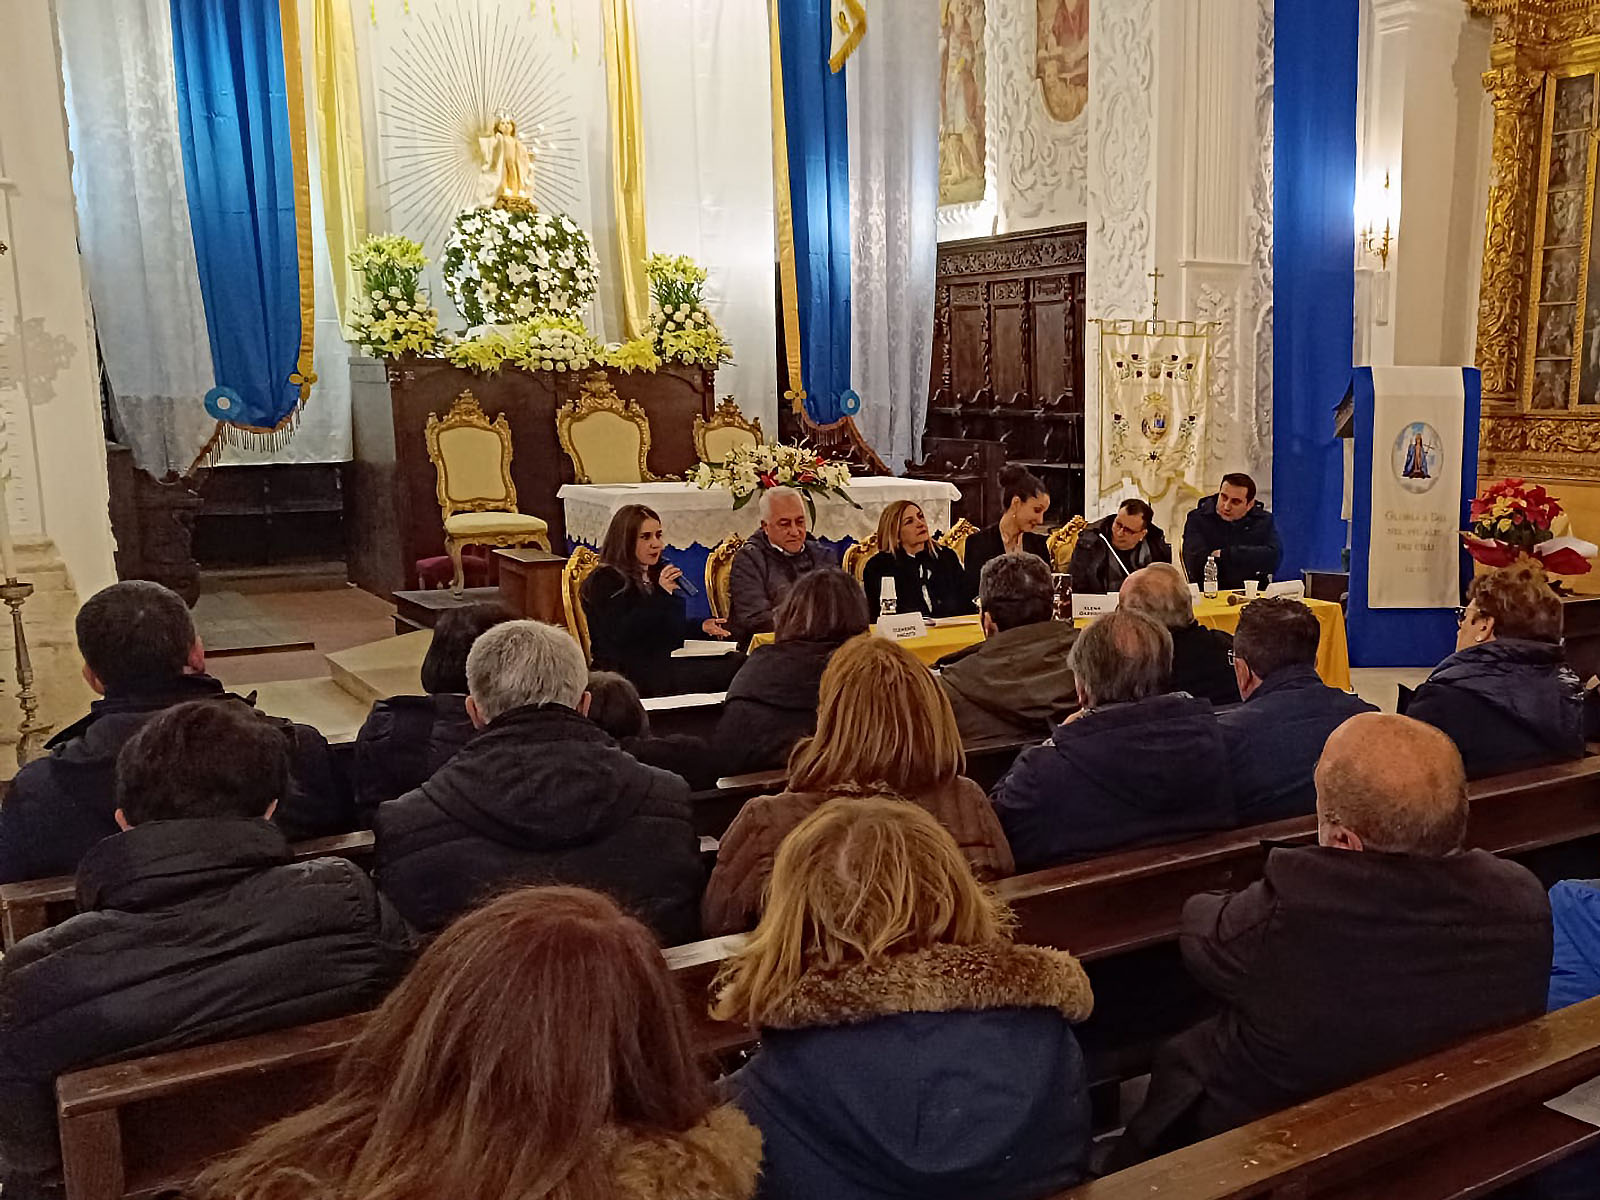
column 1333, row 651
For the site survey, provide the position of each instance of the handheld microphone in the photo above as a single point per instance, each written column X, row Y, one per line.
column 685, row 584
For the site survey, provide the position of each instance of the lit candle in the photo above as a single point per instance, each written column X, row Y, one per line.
column 8, row 552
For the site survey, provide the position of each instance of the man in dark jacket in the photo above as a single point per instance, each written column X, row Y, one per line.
column 195, row 925
column 1015, row 683
column 1201, row 662
column 767, row 565
column 540, row 795
column 1276, row 736
column 1134, row 765
column 1382, row 944
column 1114, row 547
column 1237, row 530
column 141, row 654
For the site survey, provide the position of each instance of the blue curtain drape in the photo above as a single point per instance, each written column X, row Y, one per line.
column 1313, row 264
column 819, row 186
column 238, row 161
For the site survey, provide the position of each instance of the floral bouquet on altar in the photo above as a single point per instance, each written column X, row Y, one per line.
column 392, row 315
column 747, row 471
column 682, row 329
column 504, row 265
column 547, row 343
column 1511, row 520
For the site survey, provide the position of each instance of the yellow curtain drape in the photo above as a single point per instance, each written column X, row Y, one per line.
column 340, row 147
column 304, row 375
column 627, row 161
column 788, row 274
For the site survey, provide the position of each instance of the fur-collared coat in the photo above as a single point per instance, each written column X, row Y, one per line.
column 719, row 1159
column 946, row 1072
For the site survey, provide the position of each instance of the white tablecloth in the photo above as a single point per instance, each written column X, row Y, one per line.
column 692, row 516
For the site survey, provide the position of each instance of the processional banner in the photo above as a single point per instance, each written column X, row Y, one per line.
column 1155, row 403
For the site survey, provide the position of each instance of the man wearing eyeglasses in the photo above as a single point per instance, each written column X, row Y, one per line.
column 1115, row 547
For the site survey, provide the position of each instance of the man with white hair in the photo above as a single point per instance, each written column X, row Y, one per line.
column 539, row 795
column 768, row 564
column 1200, row 656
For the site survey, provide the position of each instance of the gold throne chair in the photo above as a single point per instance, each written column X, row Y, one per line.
column 471, row 459
column 715, row 439
column 606, row 437
column 1064, row 540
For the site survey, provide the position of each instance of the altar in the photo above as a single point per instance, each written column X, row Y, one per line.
column 695, row 519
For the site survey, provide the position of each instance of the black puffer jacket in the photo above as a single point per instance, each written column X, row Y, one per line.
column 542, row 795
column 1098, row 568
column 64, row 803
column 771, row 705
column 188, row 932
column 1250, row 546
column 1508, row 704
column 404, row 740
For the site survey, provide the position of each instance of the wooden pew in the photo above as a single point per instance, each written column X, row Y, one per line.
column 124, row 1122
column 36, row 904
column 1455, row 1124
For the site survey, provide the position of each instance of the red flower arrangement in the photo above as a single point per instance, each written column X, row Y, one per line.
column 1511, row 520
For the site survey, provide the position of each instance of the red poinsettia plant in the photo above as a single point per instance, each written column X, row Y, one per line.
column 1512, row 519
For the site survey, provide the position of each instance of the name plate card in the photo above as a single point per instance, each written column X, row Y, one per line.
column 1088, row 605
column 901, row 626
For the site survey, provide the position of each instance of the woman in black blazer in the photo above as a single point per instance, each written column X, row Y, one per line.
column 635, row 608
column 927, row 577
column 1026, row 502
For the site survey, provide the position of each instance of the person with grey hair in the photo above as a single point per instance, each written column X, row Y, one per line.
column 1016, row 682
column 770, row 562
column 1135, row 764
column 1201, row 663
column 540, row 794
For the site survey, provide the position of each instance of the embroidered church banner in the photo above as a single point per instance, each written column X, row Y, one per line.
column 1155, row 403
column 1417, row 426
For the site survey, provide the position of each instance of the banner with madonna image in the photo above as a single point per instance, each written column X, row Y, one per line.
column 1155, row 404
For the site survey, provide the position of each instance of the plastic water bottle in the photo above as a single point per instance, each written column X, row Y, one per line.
column 887, row 599
column 1210, row 587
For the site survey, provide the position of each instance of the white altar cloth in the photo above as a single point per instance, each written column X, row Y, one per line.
column 693, row 516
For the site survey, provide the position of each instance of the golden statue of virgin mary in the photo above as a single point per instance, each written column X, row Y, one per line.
column 507, row 164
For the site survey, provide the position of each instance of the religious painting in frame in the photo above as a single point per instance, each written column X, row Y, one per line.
column 962, row 112
column 1061, row 57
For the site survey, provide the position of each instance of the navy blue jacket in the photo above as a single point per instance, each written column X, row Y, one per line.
column 1275, row 738
column 945, row 1073
column 1121, row 775
column 1508, row 705
column 1575, row 913
column 1250, row 546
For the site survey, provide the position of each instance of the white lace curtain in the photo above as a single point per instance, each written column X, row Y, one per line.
column 893, row 83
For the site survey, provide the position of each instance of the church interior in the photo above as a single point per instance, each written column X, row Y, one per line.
column 871, row 401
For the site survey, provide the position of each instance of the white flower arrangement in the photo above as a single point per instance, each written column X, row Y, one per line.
column 682, row 329
column 508, row 265
column 749, row 470
column 392, row 315
column 546, row 343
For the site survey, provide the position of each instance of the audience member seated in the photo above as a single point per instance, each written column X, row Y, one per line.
column 1506, row 696
column 772, row 701
column 1276, row 736
column 908, row 1047
column 1201, row 657
column 883, row 725
column 1026, row 500
column 540, row 794
column 539, row 1048
column 772, row 560
column 1114, row 547
column 142, row 656
column 614, row 705
column 1016, row 682
column 1385, row 942
column 195, row 926
column 634, row 604
column 1236, row 529
column 927, row 577
column 1134, row 764
column 1575, row 912
column 407, row 738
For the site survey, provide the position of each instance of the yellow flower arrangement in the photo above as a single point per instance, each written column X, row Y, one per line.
column 635, row 355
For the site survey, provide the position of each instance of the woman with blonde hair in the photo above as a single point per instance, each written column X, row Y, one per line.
column 539, row 1050
column 1506, row 696
column 908, row 1047
column 927, row 576
column 884, row 725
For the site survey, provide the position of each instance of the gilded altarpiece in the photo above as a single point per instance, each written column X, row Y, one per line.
column 1539, row 300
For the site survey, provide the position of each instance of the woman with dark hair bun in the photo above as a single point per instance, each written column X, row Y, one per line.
column 1026, row 501
column 407, row 738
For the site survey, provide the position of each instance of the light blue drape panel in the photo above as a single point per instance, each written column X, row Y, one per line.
column 819, row 186
column 233, row 116
column 1313, row 271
